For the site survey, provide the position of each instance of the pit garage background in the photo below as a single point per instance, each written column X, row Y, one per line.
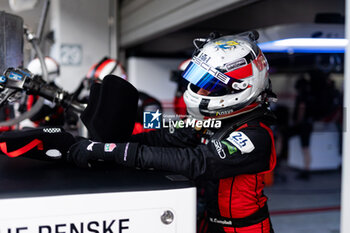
column 152, row 37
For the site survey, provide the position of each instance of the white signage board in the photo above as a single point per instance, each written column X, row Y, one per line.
column 122, row 212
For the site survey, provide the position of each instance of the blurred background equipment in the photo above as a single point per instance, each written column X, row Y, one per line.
column 50, row 114
column 11, row 50
column 11, row 41
column 176, row 76
column 22, row 5
column 53, row 68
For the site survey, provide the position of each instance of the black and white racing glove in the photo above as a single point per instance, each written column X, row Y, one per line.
column 86, row 151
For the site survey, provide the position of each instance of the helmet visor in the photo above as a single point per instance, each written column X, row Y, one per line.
column 205, row 76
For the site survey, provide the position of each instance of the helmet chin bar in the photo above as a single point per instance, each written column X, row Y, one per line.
column 198, row 106
column 229, row 111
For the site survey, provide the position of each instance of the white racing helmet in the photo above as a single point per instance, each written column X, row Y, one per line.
column 235, row 72
column 105, row 67
column 53, row 68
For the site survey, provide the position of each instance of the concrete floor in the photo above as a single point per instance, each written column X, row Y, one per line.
column 299, row 206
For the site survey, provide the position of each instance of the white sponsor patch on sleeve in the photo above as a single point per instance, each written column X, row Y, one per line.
column 241, row 141
column 109, row 147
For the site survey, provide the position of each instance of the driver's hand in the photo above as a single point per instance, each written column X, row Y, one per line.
column 85, row 151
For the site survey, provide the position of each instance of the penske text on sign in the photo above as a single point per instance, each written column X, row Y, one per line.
column 94, row 223
column 126, row 212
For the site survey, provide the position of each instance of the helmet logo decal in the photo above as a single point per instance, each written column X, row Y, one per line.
column 217, row 74
column 260, row 62
column 204, row 57
column 224, row 112
column 226, row 44
column 235, row 64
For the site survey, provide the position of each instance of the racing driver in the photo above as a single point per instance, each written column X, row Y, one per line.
column 228, row 82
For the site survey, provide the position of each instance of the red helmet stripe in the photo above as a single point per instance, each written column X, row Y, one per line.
column 100, row 68
column 242, row 72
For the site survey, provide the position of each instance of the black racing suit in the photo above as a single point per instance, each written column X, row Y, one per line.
column 229, row 164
